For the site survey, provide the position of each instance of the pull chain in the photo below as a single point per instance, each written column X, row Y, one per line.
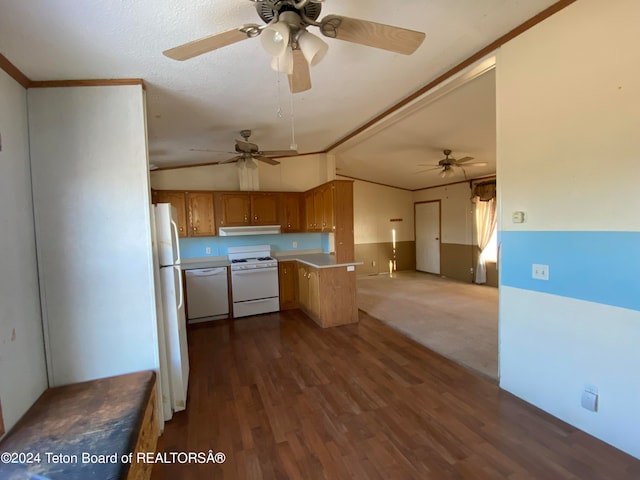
column 279, row 112
column 294, row 145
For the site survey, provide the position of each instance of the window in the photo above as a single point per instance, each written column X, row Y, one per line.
column 490, row 253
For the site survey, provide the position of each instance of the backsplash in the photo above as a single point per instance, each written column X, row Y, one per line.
column 197, row 247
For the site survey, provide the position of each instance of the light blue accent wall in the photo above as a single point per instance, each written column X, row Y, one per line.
column 602, row 267
column 196, row 247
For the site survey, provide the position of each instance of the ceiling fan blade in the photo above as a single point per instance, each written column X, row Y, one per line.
column 231, row 160
column 465, row 159
column 207, row 44
column 476, row 164
column 300, row 79
column 372, row 34
column 279, row 153
column 209, row 150
column 435, row 165
column 268, row 160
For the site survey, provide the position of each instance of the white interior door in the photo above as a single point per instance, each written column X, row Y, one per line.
column 427, row 223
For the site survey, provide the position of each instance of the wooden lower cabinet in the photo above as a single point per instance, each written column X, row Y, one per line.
column 288, row 284
column 328, row 295
column 309, row 291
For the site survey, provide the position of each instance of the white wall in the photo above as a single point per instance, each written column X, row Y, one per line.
column 91, row 197
column 23, row 374
column 373, row 206
column 294, row 174
column 456, row 213
column 569, row 157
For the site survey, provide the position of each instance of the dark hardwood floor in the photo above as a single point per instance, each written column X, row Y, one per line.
column 282, row 398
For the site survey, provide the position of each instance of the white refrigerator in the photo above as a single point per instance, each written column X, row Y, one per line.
column 172, row 325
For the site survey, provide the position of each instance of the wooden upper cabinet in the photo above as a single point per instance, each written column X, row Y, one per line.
column 320, row 209
column 291, row 218
column 265, row 208
column 201, row 217
column 178, row 200
column 309, row 212
column 234, row 209
column 343, row 220
column 327, row 208
column 317, row 209
column 328, row 223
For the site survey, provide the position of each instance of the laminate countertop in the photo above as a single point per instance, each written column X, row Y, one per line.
column 316, row 260
column 192, row 264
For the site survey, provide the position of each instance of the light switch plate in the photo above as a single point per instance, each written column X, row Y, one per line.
column 350, row 268
column 589, row 401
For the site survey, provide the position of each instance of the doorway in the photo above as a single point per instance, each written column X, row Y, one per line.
column 427, row 225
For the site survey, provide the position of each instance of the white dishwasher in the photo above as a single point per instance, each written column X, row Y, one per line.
column 207, row 294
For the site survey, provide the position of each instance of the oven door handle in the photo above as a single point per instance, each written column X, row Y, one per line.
column 259, row 300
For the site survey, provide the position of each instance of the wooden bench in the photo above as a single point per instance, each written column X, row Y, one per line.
column 84, row 430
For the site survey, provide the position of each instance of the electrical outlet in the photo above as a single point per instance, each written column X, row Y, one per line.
column 373, row 263
column 540, row 272
column 207, row 250
column 295, row 244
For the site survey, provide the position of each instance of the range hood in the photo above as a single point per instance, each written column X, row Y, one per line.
column 249, row 230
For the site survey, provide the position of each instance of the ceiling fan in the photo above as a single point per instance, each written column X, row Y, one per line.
column 248, row 151
column 285, row 37
column 448, row 165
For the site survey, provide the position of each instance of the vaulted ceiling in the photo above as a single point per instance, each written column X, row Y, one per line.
column 203, row 102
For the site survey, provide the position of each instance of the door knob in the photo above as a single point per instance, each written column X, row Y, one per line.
column 437, row 238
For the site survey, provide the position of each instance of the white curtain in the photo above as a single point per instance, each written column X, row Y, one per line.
column 485, row 226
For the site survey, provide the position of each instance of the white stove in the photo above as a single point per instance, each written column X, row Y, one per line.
column 254, row 280
column 249, row 263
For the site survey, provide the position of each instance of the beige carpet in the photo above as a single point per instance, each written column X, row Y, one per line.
column 458, row 320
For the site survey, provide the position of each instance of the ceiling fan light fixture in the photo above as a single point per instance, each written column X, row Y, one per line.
column 313, row 47
column 446, row 172
column 275, row 38
column 250, row 163
column 283, row 63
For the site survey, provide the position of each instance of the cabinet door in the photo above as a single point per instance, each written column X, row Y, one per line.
column 177, row 199
column 303, row 287
column 264, row 209
column 343, row 220
column 201, row 220
column 313, row 276
column 291, row 212
column 309, row 212
column 288, row 278
column 236, row 209
column 317, row 209
column 328, row 222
